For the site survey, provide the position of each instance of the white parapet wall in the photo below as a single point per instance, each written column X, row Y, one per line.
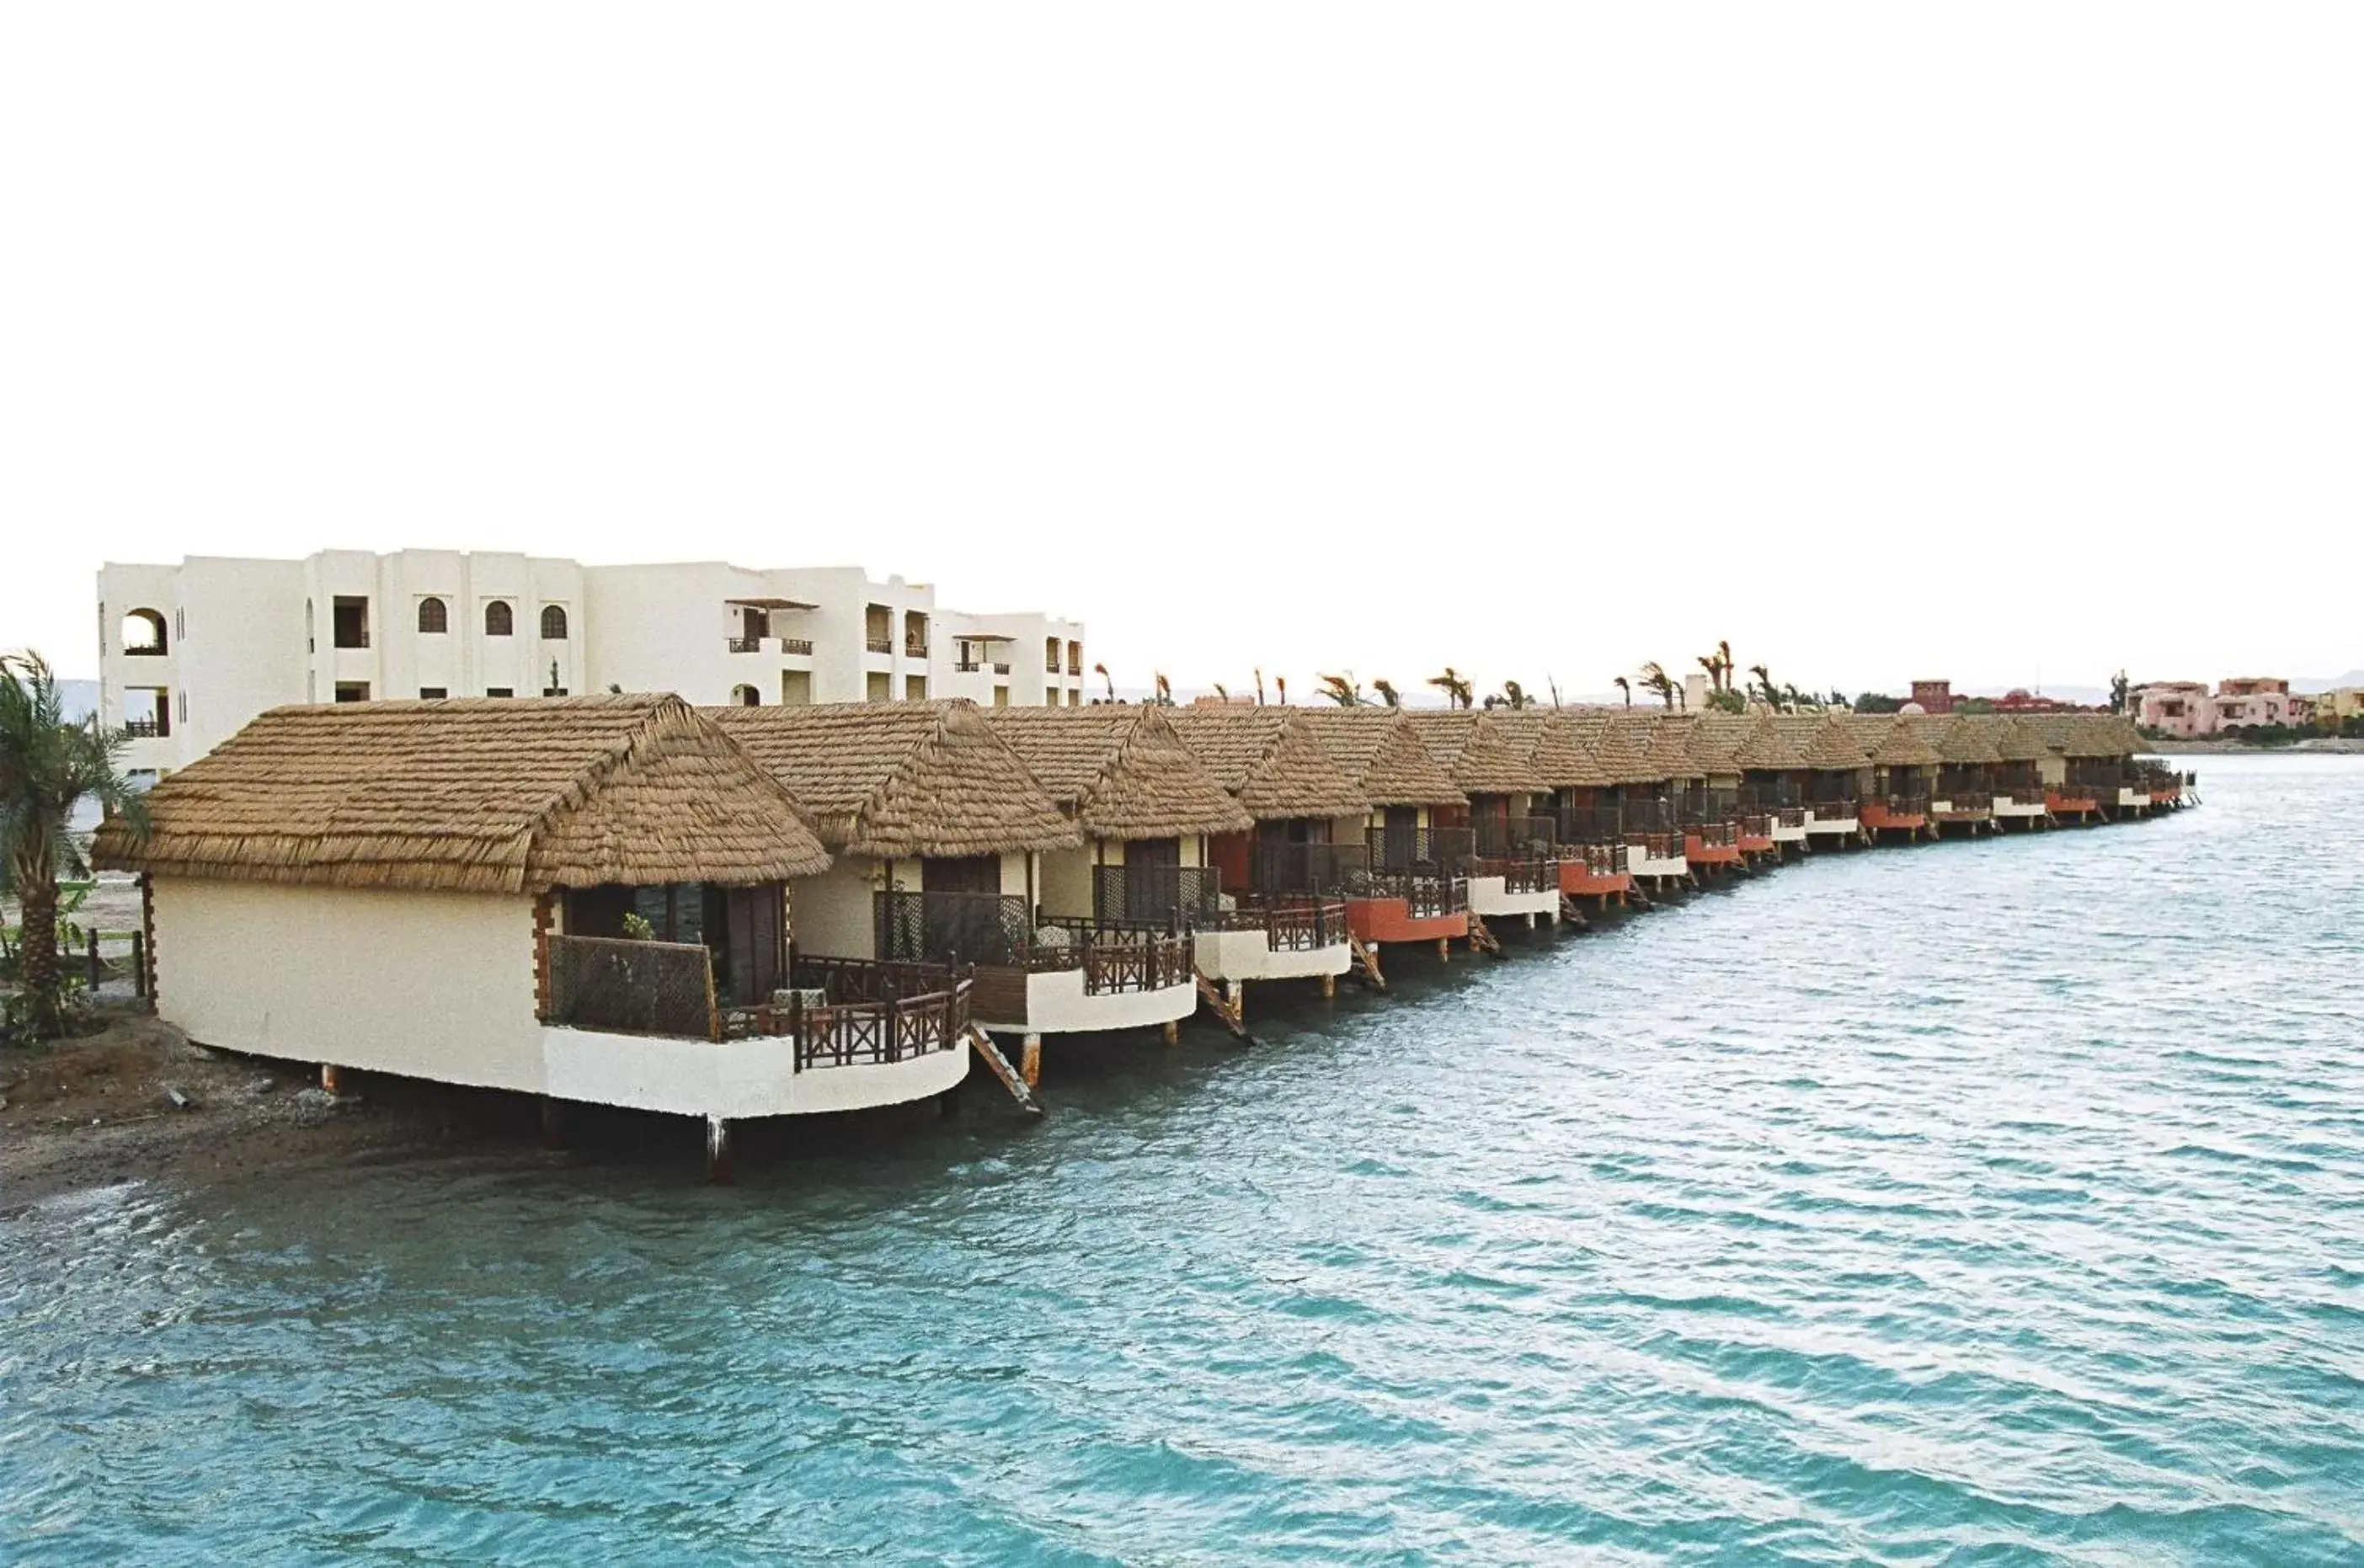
column 1250, row 955
column 1056, row 1004
column 435, row 985
column 1666, row 865
column 1490, row 897
column 1784, row 833
column 2004, row 807
column 1818, row 823
column 756, row 1077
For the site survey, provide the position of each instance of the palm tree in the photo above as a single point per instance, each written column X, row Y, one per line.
column 1164, row 688
column 1344, row 690
column 1101, row 670
column 1765, row 684
column 1281, row 684
column 1550, row 682
column 1387, row 693
column 1514, row 695
column 1222, row 691
column 1259, row 678
column 1627, row 687
column 1655, row 681
column 1458, row 692
column 49, row 767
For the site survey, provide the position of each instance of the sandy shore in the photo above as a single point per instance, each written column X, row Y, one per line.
column 99, row 1108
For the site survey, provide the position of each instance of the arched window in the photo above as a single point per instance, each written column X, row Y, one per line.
column 553, row 623
column 499, row 619
column 746, row 696
column 433, row 616
column 143, row 633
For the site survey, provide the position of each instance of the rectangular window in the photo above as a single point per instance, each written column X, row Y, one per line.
column 915, row 688
column 349, row 621
column 500, row 691
column 877, row 687
column 553, row 691
column 796, row 688
column 434, row 694
column 352, row 691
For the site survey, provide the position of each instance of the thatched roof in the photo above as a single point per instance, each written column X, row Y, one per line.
column 1269, row 758
column 2013, row 741
column 2084, row 734
column 1965, row 740
column 1669, row 756
column 1772, row 747
column 1618, row 741
column 1715, row 739
column 1380, row 751
column 1828, row 742
column 1903, row 743
column 1486, row 753
column 896, row 780
column 1119, row 770
column 478, row 795
column 1564, row 757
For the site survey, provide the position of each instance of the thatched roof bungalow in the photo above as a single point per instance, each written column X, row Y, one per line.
column 515, row 895
column 935, row 822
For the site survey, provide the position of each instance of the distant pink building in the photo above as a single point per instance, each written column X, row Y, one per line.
column 2187, row 709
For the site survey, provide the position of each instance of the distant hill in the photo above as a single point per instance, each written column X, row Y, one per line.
column 2310, row 685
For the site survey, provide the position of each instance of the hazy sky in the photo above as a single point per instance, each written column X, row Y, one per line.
column 1884, row 340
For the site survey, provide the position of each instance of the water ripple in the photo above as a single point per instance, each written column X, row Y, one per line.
column 1987, row 1203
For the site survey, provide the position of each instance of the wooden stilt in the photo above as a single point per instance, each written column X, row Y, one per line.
column 717, row 1151
column 1173, row 1032
column 331, row 1080
column 1030, row 1060
column 554, row 1123
column 1329, row 986
column 1445, row 950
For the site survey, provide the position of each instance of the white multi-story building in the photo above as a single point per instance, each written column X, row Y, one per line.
column 189, row 652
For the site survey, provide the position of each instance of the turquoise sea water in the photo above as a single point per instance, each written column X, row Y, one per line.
column 1987, row 1203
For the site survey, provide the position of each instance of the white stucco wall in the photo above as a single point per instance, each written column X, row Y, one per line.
column 733, row 1078
column 1055, row 1003
column 1249, row 955
column 832, row 914
column 428, row 984
column 1489, row 896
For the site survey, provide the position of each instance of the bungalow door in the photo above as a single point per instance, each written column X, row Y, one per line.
column 1399, row 838
column 963, row 909
column 1153, row 876
column 1289, row 857
column 754, row 943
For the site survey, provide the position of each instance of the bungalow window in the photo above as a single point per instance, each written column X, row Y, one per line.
column 352, row 691
column 434, row 618
column 553, row 623
column 499, row 619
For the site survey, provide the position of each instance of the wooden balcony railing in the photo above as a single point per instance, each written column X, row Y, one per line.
column 879, row 644
column 149, row 727
column 997, row 930
column 1525, row 874
column 1179, row 898
column 1427, row 896
column 1116, row 958
column 1304, row 868
column 746, row 644
column 1431, row 850
column 1297, row 923
column 1514, row 838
